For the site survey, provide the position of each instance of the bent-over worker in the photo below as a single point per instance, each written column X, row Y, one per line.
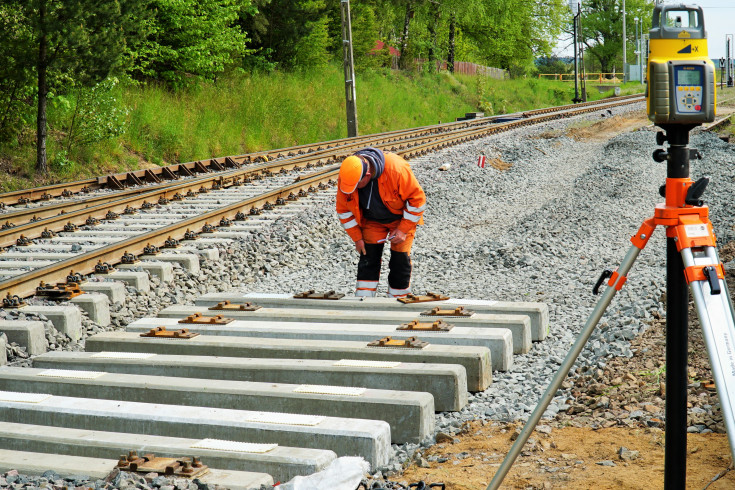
column 379, row 200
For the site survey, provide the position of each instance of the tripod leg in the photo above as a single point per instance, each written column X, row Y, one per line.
column 715, row 312
column 677, row 351
column 614, row 285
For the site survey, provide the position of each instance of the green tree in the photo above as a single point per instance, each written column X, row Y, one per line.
column 70, row 40
column 16, row 77
column 300, row 32
column 602, row 28
column 365, row 32
column 553, row 64
column 191, row 38
column 312, row 49
column 512, row 33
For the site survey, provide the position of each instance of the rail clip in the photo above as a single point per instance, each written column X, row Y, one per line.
column 198, row 319
column 226, row 305
column 409, row 343
column 62, row 291
column 422, row 298
column 311, row 294
column 149, row 463
column 458, row 311
column 437, row 326
column 13, row 301
column 103, row 268
column 162, row 333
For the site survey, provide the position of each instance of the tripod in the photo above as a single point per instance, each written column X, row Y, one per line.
column 691, row 258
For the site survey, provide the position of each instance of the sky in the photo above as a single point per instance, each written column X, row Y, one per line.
column 719, row 20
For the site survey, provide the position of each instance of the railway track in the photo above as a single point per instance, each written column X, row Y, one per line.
column 229, row 394
column 140, row 178
column 52, row 220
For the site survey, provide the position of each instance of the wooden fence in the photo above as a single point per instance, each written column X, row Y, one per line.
column 467, row 68
column 590, row 77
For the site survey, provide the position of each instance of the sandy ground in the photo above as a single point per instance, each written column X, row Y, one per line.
column 570, row 458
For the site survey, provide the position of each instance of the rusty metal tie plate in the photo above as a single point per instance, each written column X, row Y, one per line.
column 226, row 305
column 60, row 292
column 437, row 326
column 458, row 311
column 149, row 463
column 198, row 319
column 409, row 343
column 422, row 298
column 162, row 333
column 311, row 294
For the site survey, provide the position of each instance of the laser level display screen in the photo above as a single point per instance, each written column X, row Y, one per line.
column 688, row 77
column 689, row 89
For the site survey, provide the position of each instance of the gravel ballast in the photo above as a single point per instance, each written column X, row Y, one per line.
column 542, row 229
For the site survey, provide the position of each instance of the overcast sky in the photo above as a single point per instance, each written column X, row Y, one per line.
column 719, row 20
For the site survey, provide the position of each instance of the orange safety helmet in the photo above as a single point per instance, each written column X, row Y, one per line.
column 351, row 173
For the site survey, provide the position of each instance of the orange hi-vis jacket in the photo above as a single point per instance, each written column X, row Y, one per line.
column 399, row 191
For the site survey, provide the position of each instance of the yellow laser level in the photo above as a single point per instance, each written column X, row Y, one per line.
column 681, row 77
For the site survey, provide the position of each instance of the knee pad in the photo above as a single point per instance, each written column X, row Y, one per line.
column 368, row 267
column 400, row 270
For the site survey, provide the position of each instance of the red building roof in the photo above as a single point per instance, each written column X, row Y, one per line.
column 379, row 45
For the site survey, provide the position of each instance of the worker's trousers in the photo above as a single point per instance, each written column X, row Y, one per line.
column 368, row 268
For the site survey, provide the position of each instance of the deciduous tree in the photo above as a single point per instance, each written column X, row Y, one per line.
column 602, row 24
column 78, row 41
column 192, row 38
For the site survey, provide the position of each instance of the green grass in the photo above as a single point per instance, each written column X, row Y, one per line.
column 252, row 112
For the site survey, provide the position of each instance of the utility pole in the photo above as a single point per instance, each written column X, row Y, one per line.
column 640, row 50
column 576, row 9
column 583, row 82
column 576, row 64
column 637, row 49
column 625, row 55
column 728, row 51
column 349, row 66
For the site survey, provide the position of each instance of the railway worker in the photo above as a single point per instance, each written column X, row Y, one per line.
column 379, row 200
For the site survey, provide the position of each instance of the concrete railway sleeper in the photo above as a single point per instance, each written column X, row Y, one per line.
column 446, row 382
column 410, row 414
column 168, row 396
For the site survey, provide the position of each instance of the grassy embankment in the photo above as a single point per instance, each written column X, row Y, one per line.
column 254, row 112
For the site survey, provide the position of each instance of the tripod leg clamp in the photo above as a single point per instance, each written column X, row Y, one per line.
column 617, row 281
column 614, row 276
column 709, row 273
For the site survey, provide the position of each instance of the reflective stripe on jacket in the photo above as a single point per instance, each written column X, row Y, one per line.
column 399, row 191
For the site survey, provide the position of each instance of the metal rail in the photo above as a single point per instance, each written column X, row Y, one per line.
column 28, row 215
column 123, row 180
column 25, row 285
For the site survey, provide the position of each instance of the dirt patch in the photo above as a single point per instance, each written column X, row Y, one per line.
column 498, row 164
column 608, row 127
column 570, row 458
